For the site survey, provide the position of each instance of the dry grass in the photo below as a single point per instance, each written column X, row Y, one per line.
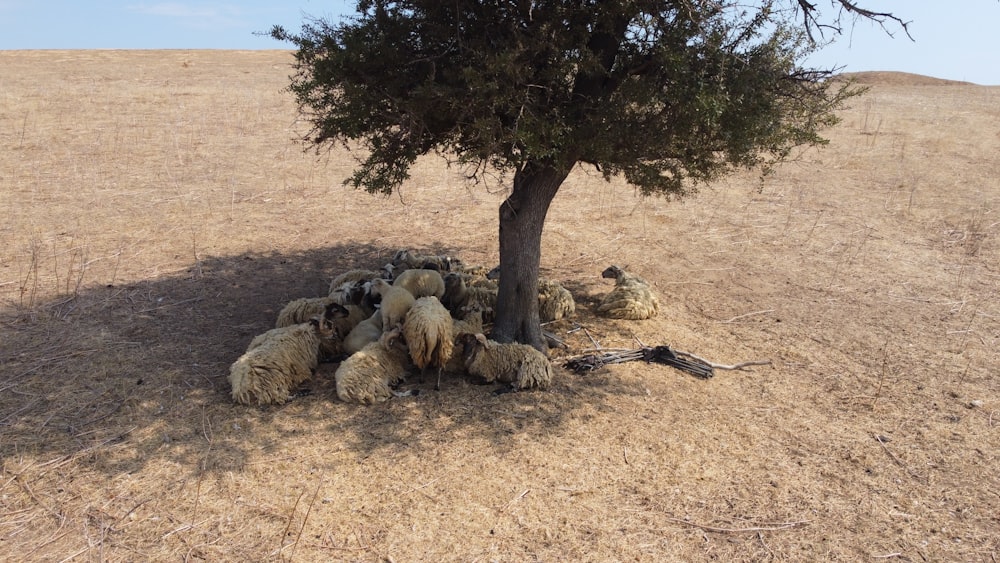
column 158, row 215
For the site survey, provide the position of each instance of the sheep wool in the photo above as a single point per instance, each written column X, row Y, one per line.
column 366, row 332
column 366, row 376
column 408, row 260
column 632, row 297
column 518, row 364
column 428, row 334
column 458, row 296
column 421, row 283
column 554, row 301
column 396, row 301
column 276, row 362
column 351, row 276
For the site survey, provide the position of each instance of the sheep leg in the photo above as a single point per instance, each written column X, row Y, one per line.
column 437, row 387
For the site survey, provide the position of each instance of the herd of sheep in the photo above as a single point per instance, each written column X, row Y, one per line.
column 420, row 312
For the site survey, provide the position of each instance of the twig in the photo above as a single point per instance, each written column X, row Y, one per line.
column 517, row 498
column 737, row 317
column 892, row 456
column 714, row 365
column 887, row 555
column 776, row 527
column 306, row 517
column 592, row 341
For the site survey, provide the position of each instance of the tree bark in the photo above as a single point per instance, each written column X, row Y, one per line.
column 522, row 217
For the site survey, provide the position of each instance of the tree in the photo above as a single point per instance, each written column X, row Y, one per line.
column 665, row 93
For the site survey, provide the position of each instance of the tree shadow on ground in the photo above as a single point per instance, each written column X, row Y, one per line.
column 124, row 376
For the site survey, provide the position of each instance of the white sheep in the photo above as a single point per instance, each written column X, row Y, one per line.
column 366, row 332
column 520, row 365
column 458, row 296
column 632, row 297
column 428, row 334
column 366, row 377
column 277, row 361
column 396, row 301
column 421, row 283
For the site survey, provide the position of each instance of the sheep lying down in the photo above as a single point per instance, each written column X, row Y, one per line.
column 520, row 365
column 277, row 361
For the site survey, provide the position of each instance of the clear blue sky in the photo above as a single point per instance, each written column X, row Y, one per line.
column 955, row 40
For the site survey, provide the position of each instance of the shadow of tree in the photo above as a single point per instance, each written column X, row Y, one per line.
column 123, row 376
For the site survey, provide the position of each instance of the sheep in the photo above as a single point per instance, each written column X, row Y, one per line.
column 353, row 276
column 428, row 334
column 277, row 361
column 632, row 297
column 366, row 376
column 458, row 295
column 343, row 319
column 396, row 301
column 366, row 332
column 421, row 282
column 518, row 364
column 409, row 260
column 470, row 323
column 354, row 293
column 554, row 301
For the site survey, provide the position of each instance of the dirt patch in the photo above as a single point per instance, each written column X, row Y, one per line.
column 159, row 215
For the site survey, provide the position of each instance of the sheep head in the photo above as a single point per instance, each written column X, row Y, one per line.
column 471, row 345
column 612, row 272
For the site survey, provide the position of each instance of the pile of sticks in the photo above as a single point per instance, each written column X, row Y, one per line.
column 688, row 363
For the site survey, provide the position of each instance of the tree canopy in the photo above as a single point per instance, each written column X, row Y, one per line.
column 664, row 93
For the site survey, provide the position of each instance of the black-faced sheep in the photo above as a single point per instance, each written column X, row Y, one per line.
column 632, row 297
column 343, row 319
column 421, row 283
column 427, row 331
column 353, row 276
column 396, row 301
column 277, row 361
column 459, row 296
column 518, row 364
column 470, row 323
column 366, row 377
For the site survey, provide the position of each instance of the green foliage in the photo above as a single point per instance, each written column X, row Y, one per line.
column 664, row 93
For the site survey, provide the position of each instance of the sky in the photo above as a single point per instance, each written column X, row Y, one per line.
column 953, row 40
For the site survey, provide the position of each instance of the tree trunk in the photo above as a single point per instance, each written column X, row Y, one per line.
column 522, row 217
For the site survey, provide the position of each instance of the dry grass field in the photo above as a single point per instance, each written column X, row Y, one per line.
column 157, row 214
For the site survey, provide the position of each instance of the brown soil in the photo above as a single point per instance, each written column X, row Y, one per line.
column 158, row 214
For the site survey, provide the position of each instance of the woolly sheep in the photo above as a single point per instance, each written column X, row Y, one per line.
column 554, row 301
column 396, row 301
column 421, row 283
column 342, row 319
column 366, row 376
column 458, row 295
column 428, row 334
column 277, row 361
column 471, row 323
column 352, row 276
column 518, row 364
column 632, row 297
column 366, row 332
column 409, row 260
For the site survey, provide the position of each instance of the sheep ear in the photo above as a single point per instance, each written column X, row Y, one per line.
column 481, row 338
column 336, row 311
